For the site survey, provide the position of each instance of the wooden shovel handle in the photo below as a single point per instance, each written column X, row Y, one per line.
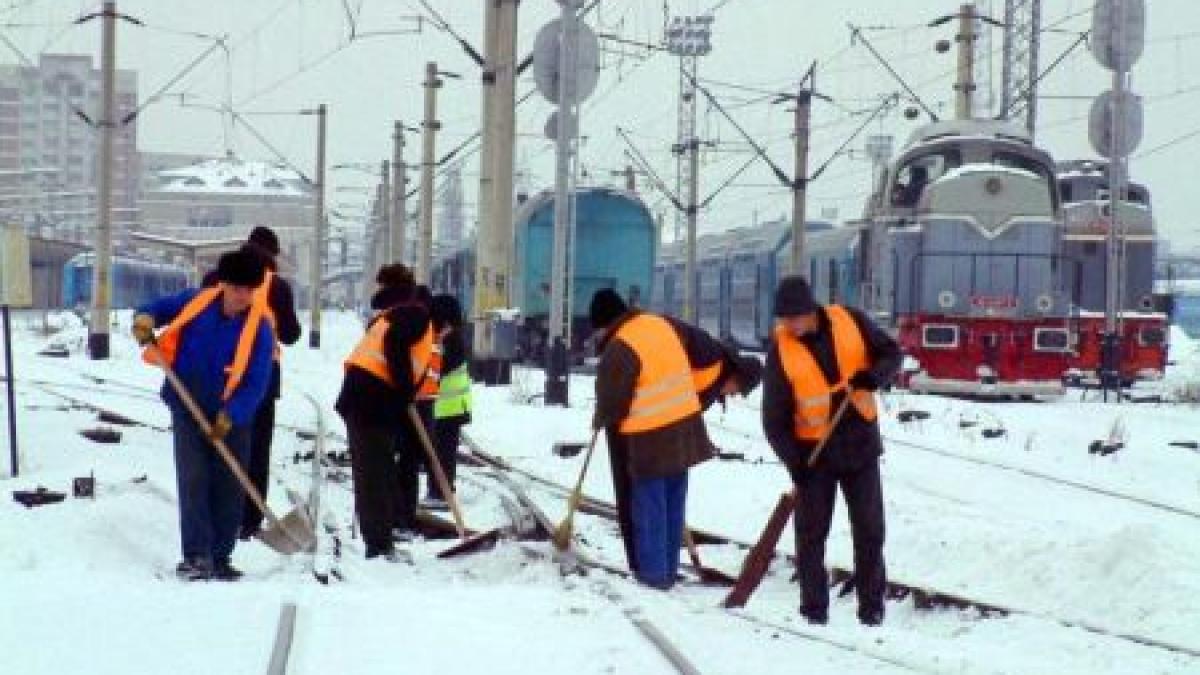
column 438, row 473
column 202, row 421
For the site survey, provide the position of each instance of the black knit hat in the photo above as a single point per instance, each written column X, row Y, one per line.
column 607, row 306
column 445, row 310
column 749, row 373
column 241, row 268
column 396, row 274
column 423, row 295
column 794, row 297
column 265, row 239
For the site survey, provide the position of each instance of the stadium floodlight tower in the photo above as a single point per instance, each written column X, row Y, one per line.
column 689, row 38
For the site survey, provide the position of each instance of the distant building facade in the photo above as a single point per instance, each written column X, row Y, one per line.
column 49, row 142
column 217, row 199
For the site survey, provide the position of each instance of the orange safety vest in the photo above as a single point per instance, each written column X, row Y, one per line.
column 665, row 392
column 432, row 382
column 168, row 340
column 813, row 395
column 262, row 296
column 707, row 377
column 370, row 356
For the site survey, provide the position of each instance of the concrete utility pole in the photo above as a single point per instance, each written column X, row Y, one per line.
column 399, row 206
column 965, row 85
column 800, row 181
column 386, row 218
column 494, row 235
column 1110, row 359
column 428, row 139
column 98, row 333
column 318, row 247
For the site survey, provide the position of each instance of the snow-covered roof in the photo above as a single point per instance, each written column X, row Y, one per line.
column 234, row 176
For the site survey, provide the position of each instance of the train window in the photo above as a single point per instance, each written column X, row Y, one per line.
column 939, row 336
column 1151, row 336
column 912, row 178
column 1051, row 339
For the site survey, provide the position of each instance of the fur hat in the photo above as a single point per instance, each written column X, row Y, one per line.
column 794, row 297
column 265, row 239
column 445, row 310
column 241, row 268
column 607, row 306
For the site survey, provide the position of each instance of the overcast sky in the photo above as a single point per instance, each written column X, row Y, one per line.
column 291, row 54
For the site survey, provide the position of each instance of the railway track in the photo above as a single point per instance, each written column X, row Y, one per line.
column 522, row 510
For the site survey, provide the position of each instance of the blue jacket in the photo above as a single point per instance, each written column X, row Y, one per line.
column 206, row 348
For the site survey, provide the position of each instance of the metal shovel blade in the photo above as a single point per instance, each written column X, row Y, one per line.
column 292, row 534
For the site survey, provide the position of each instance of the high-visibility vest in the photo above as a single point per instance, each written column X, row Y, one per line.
column 370, row 356
column 168, row 339
column 704, row 378
column 428, row 389
column 812, row 393
column 665, row 392
column 454, row 394
column 262, row 296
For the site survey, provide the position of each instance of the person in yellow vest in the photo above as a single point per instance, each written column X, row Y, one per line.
column 452, row 409
column 279, row 308
column 818, row 356
column 219, row 344
column 646, row 401
column 382, row 377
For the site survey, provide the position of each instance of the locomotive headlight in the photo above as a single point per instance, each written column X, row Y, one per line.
column 993, row 186
column 1044, row 303
column 947, row 299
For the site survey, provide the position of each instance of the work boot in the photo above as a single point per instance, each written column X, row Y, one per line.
column 224, row 571
column 870, row 617
column 815, row 616
column 194, row 569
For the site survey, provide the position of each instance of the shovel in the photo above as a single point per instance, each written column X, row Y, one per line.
column 708, row 575
column 471, row 542
column 562, row 533
column 293, row 534
column 755, row 566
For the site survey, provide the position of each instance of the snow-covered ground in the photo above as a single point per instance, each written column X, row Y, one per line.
column 1112, row 545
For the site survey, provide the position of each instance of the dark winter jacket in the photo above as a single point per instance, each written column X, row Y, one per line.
column 371, row 401
column 652, row 454
column 206, row 348
column 283, row 305
column 855, row 440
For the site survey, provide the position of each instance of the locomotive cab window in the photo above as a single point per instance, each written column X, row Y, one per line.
column 919, row 172
column 1151, row 336
column 939, row 336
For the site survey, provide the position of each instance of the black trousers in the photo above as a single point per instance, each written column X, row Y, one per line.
column 446, row 433
column 373, row 466
column 409, row 456
column 259, row 468
column 817, row 492
column 618, row 462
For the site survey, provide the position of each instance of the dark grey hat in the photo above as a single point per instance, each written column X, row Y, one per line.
column 794, row 297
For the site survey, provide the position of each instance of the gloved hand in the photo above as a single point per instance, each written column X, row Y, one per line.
column 143, row 329
column 863, row 380
column 220, row 426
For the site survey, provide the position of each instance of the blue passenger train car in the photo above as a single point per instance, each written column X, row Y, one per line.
column 133, row 281
column 615, row 247
column 737, row 271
